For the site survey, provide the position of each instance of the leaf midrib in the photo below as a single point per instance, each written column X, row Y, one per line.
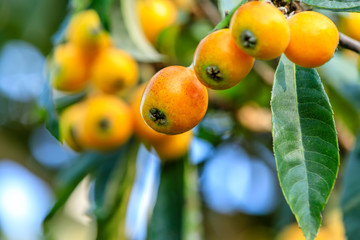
column 301, row 144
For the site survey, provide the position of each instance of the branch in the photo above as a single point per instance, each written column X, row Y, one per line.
column 266, row 72
column 349, row 43
column 210, row 10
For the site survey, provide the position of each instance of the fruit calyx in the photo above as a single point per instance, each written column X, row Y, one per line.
column 157, row 116
column 248, row 39
column 214, row 73
column 104, row 124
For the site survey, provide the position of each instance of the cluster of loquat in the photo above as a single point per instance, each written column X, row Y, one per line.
column 88, row 61
column 175, row 99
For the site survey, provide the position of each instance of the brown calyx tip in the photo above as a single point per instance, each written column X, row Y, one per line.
column 248, row 39
column 157, row 116
column 214, row 73
column 118, row 84
column 104, row 124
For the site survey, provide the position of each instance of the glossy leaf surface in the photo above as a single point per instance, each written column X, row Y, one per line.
column 305, row 143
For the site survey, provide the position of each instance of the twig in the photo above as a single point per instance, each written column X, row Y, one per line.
column 210, row 10
column 349, row 43
column 265, row 72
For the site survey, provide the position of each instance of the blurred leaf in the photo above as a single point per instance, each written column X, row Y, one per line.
column 127, row 32
column 180, row 41
column 103, row 8
column 64, row 102
column 305, row 143
column 340, row 76
column 185, row 46
column 102, row 176
column 227, row 5
column 167, row 217
column 200, row 29
column 45, row 102
column 204, row 132
column 34, row 21
column 216, row 125
column 252, row 88
column 350, row 197
column 71, row 176
column 340, row 5
column 113, row 182
column 344, row 110
column 167, row 39
column 60, row 35
column 79, row 5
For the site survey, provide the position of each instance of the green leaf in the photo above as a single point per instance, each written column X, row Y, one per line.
column 113, row 182
column 45, row 102
column 103, row 8
column 70, row 177
column 350, row 197
column 79, row 5
column 340, row 5
column 305, row 143
column 62, row 103
column 127, row 33
column 102, row 177
column 167, row 218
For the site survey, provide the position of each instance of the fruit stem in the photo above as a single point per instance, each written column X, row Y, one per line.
column 349, row 43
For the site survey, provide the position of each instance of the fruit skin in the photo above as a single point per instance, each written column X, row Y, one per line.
column 143, row 131
column 260, row 30
column 107, row 124
column 84, row 28
column 349, row 25
column 173, row 147
column 168, row 147
column 155, row 16
column 69, row 70
column 85, row 31
column 114, row 70
column 174, row 100
column 219, row 63
column 69, row 122
column 314, row 38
